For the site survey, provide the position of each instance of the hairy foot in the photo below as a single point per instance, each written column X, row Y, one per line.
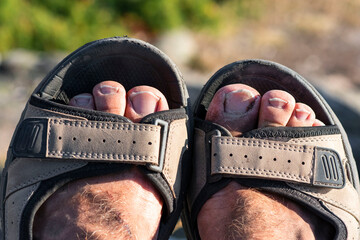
column 114, row 206
column 237, row 212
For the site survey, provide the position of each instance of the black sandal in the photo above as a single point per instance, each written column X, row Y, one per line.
column 43, row 155
column 313, row 166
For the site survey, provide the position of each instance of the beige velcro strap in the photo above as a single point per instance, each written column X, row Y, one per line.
column 89, row 140
column 267, row 159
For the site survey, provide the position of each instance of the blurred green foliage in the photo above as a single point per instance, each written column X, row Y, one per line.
column 66, row 24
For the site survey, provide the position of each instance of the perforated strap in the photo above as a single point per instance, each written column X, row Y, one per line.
column 258, row 158
column 90, row 140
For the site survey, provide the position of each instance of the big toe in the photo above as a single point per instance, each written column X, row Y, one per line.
column 144, row 100
column 235, row 107
column 276, row 109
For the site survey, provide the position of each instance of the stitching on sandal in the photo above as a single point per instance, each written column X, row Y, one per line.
column 101, row 155
column 104, row 125
column 270, row 145
column 263, row 172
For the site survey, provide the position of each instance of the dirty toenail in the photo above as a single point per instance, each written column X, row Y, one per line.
column 301, row 114
column 82, row 100
column 277, row 102
column 106, row 89
column 144, row 102
column 239, row 101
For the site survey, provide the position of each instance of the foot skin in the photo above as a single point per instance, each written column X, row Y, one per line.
column 237, row 212
column 111, row 206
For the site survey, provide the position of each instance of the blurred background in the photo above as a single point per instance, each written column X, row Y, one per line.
column 318, row 39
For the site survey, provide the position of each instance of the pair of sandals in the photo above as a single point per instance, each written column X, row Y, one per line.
column 185, row 157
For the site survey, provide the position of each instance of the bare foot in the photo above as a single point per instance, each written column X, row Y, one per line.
column 114, row 206
column 237, row 212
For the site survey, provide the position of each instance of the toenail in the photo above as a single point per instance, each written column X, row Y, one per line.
column 106, row 89
column 318, row 123
column 239, row 101
column 144, row 102
column 242, row 92
column 277, row 102
column 301, row 114
column 82, row 100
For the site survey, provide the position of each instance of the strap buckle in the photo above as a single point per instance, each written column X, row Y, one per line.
column 213, row 133
column 164, row 135
column 208, row 139
column 30, row 138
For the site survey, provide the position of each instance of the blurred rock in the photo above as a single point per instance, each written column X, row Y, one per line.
column 20, row 60
column 353, row 38
column 341, row 88
column 180, row 45
column 311, row 64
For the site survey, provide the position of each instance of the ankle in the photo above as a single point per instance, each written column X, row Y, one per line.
column 111, row 205
column 216, row 214
column 236, row 211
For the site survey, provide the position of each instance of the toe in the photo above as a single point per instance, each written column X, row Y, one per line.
column 235, row 107
column 276, row 109
column 84, row 100
column 144, row 100
column 318, row 123
column 109, row 96
column 302, row 116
